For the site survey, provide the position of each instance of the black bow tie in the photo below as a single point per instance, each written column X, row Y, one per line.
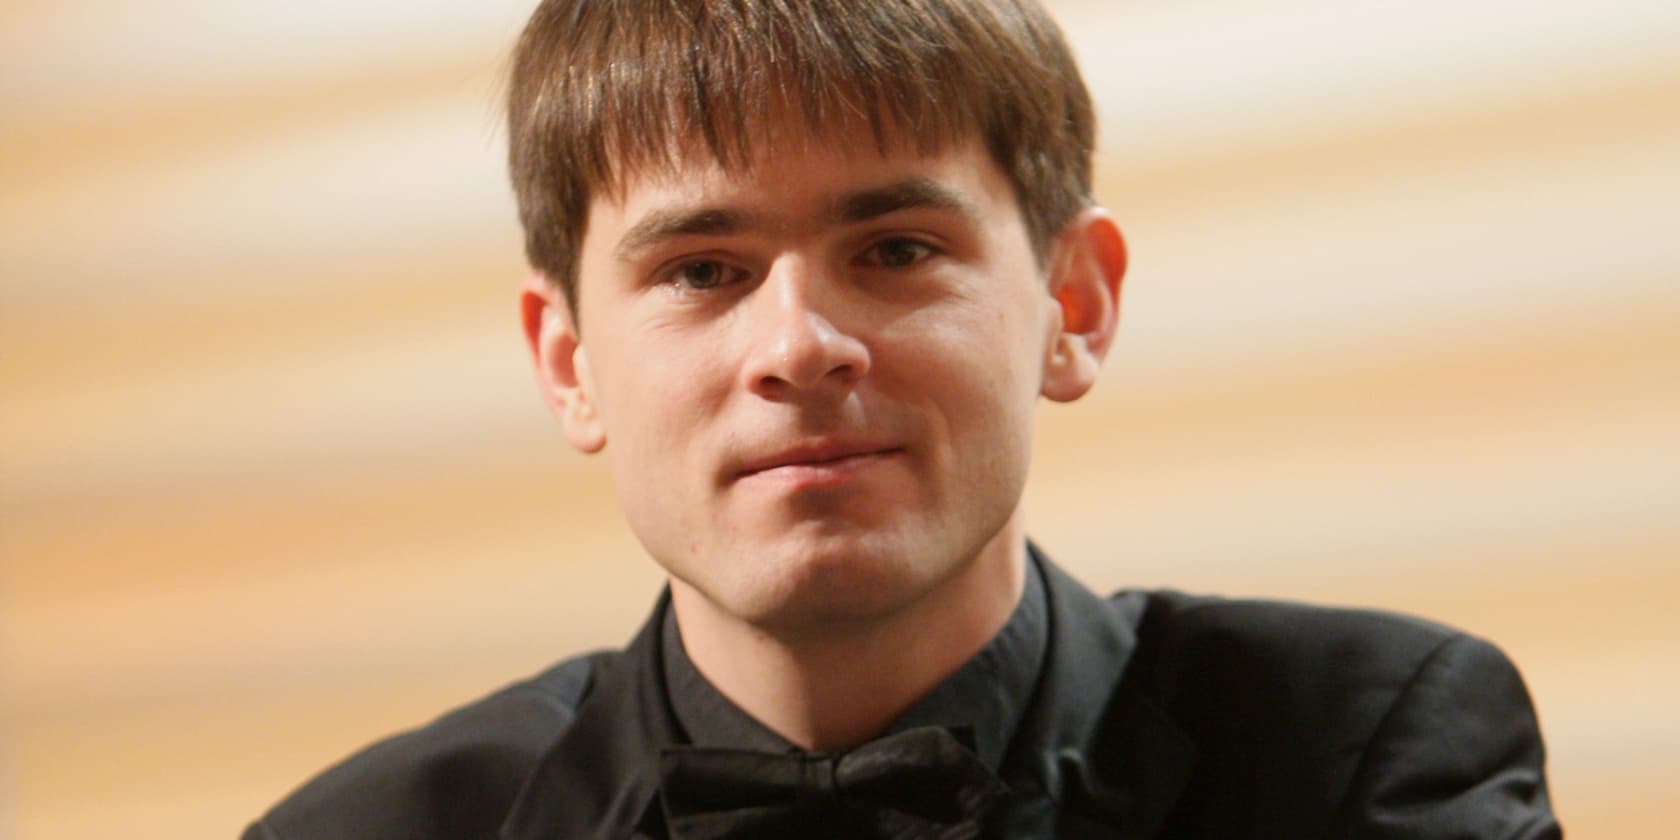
column 922, row 783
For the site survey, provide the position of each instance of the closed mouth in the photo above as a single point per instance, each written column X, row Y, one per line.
column 816, row 457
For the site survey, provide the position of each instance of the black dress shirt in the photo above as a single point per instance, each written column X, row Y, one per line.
column 988, row 692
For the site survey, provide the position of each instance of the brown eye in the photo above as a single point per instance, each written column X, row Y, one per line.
column 702, row 274
column 897, row 252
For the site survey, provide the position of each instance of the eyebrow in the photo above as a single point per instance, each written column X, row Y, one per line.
column 850, row 208
column 909, row 194
column 661, row 225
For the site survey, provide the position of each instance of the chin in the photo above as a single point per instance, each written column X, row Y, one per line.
column 824, row 582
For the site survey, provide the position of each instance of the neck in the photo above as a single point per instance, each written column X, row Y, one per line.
column 842, row 686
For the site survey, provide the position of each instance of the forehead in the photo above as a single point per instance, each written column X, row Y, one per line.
column 798, row 173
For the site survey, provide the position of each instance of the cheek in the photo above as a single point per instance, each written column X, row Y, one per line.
column 657, row 430
column 654, row 401
column 998, row 335
column 974, row 368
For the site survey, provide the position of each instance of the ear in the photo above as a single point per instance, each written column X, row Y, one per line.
column 1086, row 268
column 562, row 366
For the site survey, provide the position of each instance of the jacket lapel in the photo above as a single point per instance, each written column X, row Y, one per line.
column 598, row 780
column 1095, row 742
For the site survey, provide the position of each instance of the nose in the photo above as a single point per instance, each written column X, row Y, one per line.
column 799, row 343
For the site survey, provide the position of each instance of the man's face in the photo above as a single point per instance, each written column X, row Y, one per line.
column 815, row 378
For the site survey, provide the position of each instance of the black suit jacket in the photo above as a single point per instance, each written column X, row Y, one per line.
column 1158, row 715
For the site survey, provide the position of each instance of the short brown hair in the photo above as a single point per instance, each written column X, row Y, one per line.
column 603, row 88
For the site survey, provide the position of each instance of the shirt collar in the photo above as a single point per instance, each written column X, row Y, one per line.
column 708, row 718
column 989, row 691
column 1090, row 749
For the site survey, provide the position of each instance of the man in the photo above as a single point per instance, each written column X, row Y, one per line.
column 808, row 268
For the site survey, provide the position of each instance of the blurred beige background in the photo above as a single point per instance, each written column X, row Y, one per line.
column 1402, row 329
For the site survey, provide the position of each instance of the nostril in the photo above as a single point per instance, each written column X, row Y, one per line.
column 800, row 343
column 837, row 362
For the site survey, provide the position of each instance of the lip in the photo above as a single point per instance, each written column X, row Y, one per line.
column 817, row 463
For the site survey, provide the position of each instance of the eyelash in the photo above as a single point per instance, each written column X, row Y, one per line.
column 675, row 276
column 924, row 251
column 870, row 257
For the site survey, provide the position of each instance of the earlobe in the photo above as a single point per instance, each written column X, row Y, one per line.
column 1085, row 279
column 560, row 362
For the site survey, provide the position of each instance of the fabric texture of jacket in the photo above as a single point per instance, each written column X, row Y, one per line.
column 1157, row 715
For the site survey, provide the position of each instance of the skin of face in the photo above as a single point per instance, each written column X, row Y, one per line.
column 815, row 377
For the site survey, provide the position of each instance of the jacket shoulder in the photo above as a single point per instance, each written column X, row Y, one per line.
column 452, row 778
column 1283, row 637
column 1341, row 717
column 1243, row 670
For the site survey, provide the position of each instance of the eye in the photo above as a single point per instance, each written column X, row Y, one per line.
column 700, row 275
column 897, row 252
